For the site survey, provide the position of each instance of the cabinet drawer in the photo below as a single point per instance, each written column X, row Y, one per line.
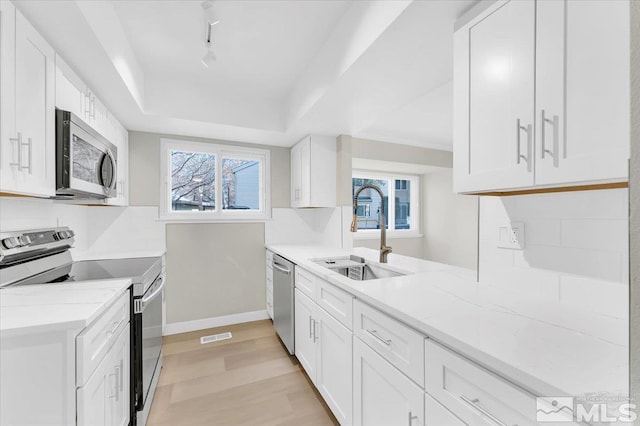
column 474, row 394
column 436, row 415
column 400, row 345
column 306, row 283
column 338, row 303
column 94, row 342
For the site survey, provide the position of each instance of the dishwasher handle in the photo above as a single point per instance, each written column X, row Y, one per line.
column 281, row 268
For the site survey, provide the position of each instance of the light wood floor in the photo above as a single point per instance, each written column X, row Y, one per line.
column 247, row 380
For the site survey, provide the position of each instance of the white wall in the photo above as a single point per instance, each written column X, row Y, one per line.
column 450, row 222
column 576, row 248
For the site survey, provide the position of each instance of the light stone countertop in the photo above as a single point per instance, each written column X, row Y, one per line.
column 42, row 308
column 548, row 349
column 89, row 255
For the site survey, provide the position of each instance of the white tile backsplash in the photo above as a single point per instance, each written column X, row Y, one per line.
column 576, row 250
column 304, row 226
column 98, row 229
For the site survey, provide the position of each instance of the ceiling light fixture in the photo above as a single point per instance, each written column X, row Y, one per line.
column 210, row 57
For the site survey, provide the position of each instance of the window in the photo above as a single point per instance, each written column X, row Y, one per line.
column 400, row 201
column 203, row 181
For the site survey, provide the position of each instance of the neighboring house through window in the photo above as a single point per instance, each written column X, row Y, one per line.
column 203, row 181
column 401, row 202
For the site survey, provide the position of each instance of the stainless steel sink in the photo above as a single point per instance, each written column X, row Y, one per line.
column 357, row 269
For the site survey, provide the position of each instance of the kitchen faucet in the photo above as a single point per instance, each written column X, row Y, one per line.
column 384, row 249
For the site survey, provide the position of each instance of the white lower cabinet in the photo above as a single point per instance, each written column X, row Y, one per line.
column 382, row 395
column 324, row 349
column 305, row 311
column 436, row 415
column 104, row 399
column 477, row 396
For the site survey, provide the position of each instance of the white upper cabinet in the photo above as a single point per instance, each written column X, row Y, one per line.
column 121, row 141
column 73, row 95
column 582, row 91
column 27, row 135
column 313, row 172
column 541, row 95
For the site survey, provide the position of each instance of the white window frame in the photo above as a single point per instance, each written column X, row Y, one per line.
column 263, row 156
column 414, row 211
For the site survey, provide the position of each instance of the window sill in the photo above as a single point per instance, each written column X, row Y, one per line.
column 391, row 235
column 215, row 219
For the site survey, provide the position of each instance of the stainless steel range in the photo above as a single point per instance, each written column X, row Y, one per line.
column 42, row 256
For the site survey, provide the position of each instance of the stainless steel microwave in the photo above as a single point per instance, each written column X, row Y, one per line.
column 86, row 162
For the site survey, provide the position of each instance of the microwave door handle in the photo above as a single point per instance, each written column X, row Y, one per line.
column 109, row 156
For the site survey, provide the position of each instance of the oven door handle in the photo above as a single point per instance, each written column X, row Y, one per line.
column 146, row 299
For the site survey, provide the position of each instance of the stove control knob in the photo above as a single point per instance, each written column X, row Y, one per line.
column 70, row 234
column 62, row 235
column 11, row 242
column 25, row 240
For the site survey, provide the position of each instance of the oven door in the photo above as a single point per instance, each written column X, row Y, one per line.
column 149, row 310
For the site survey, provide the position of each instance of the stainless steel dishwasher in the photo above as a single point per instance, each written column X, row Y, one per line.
column 283, row 297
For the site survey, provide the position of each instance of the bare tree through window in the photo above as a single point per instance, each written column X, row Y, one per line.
column 193, row 177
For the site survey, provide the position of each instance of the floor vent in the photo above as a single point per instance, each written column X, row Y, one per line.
column 215, row 338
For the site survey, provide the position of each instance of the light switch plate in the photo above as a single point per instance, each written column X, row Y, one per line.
column 511, row 236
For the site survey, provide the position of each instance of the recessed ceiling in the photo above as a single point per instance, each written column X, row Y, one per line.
column 380, row 70
column 262, row 47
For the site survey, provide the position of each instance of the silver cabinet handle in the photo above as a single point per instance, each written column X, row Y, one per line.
column 374, row 333
column 113, row 391
column 120, row 186
column 315, row 332
column 556, row 133
column 30, row 146
column 18, row 142
column 475, row 404
column 118, row 372
column 527, row 157
column 310, row 327
column 411, row 418
column 87, row 105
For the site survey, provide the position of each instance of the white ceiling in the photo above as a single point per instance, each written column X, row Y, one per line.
column 373, row 69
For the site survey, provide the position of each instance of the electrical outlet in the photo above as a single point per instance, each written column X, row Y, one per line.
column 511, row 236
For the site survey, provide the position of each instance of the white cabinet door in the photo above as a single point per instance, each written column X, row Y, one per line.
column 305, row 337
column 382, row 395
column 121, row 363
column 8, row 133
column 296, row 175
column 104, row 399
column 313, row 170
column 121, row 141
column 269, row 291
column 334, row 378
column 495, row 99
column 436, row 415
column 28, row 142
column 582, row 91
column 69, row 96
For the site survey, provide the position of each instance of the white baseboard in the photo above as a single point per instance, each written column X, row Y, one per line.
column 202, row 324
